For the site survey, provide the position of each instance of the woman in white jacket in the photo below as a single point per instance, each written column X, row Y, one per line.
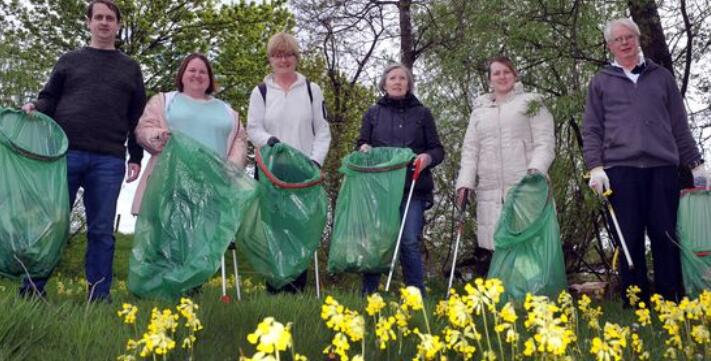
column 510, row 133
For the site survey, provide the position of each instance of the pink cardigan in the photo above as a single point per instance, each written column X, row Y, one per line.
column 153, row 123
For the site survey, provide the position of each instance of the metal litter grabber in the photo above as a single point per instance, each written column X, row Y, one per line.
column 225, row 297
column 620, row 237
column 318, row 283
column 460, row 226
column 415, row 175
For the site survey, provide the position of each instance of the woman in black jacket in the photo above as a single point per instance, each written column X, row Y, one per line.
column 398, row 119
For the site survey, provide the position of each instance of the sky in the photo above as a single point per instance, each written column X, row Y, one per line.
column 125, row 200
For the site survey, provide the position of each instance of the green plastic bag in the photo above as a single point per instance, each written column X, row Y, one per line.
column 193, row 205
column 528, row 257
column 694, row 231
column 368, row 210
column 283, row 229
column 34, row 200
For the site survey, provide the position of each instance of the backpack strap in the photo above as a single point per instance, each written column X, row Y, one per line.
column 311, row 95
column 263, row 90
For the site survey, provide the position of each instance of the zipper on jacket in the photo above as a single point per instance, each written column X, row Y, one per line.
column 501, row 152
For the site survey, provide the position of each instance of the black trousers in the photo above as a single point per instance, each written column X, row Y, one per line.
column 647, row 200
column 297, row 286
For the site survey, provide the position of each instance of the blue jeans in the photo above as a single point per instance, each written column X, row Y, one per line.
column 100, row 176
column 410, row 250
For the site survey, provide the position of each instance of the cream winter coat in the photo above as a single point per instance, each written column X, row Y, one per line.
column 152, row 123
column 501, row 144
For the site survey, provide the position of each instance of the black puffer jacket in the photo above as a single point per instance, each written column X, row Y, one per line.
column 404, row 123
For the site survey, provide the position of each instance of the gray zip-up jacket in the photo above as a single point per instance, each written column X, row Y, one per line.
column 636, row 125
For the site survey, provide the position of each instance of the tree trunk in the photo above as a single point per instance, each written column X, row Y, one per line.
column 654, row 44
column 407, row 47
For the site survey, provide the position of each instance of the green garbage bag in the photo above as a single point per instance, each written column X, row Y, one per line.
column 283, row 229
column 368, row 210
column 528, row 257
column 193, row 205
column 694, row 232
column 34, row 200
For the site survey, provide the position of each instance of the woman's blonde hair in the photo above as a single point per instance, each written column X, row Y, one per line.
column 282, row 43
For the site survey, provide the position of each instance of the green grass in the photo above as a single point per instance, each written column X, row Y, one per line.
column 65, row 327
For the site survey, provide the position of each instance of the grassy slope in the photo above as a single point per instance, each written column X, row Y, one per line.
column 66, row 328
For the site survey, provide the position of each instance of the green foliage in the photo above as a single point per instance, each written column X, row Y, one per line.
column 346, row 103
column 158, row 34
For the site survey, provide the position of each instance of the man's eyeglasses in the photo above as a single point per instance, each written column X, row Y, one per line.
column 624, row 39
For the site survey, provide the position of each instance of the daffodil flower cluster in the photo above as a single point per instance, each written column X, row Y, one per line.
column 589, row 313
column 612, row 345
column 348, row 325
column 552, row 334
column 128, row 313
column 271, row 338
column 159, row 338
column 686, row 324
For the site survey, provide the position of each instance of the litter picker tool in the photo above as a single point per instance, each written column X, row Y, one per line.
column 415, row 175
column 318, row 283
column 620, row 236
column 226, row 298
column 460, row 226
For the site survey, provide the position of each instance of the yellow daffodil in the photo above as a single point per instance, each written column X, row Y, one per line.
column 375, row 304
column 411, row 298
column 271, row 336
column 128, row 313
column 429, row 347
column 632, row 293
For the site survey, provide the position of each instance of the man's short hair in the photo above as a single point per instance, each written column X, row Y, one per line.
column 109, row 4
column 408, row 74
column 282, row 43
column 184, row 66
column 626, row 22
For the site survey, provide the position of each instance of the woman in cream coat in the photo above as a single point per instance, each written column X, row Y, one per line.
column 503, row 143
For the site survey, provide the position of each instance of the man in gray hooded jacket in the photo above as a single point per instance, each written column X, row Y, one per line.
column 636, row 134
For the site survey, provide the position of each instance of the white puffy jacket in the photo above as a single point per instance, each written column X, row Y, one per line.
column 503, row 142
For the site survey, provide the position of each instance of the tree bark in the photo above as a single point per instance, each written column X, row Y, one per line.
column 654, row 44
column 407, row 48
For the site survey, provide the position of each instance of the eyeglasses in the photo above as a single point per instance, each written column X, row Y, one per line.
column 624, row 39
column 283, row 56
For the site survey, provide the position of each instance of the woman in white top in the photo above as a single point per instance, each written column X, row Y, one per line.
column 288, row 108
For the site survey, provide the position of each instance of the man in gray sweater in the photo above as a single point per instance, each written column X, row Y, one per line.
column 96, row 95
column 636, row 134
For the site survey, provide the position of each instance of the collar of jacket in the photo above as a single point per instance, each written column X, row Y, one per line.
column 271, row 82
column 489, row 100
column 613, row 70
column 409, row 101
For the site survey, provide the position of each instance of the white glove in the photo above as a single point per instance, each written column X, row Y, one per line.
column 599, row 181
column 365, row 148
column 702, row 177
